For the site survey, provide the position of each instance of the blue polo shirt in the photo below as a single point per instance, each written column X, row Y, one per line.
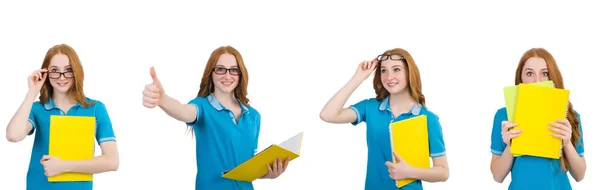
column 222, row 143
column 529, row 172
column 378, row 116
column 39, row 117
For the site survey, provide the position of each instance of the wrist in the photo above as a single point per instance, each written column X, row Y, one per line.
column 67, row 166
column 413, row 172
column 31, row 95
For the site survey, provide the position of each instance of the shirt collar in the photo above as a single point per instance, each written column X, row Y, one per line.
column 49, row 105
column 218, row 106
column 385, row 105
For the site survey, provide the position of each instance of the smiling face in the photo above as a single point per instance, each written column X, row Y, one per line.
column 226, row 74
column 60, row 73
column 394, row 75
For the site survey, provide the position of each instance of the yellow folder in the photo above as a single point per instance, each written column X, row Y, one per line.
column 410, row 140
column 537, row 107
column 510, row 97
column 256, row 166
column 72, row 138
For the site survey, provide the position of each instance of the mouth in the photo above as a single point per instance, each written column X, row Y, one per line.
column 62, row 84
column 225, row 83
column 391, row 84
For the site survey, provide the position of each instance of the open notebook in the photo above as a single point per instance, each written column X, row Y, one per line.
column 256, row 166
column 72, row 138
column 410, row 140
column 536, row 107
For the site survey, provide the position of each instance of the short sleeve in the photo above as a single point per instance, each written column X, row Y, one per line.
column 32, row 121
column 437, row 146
column 579, row 146
column 104, row 129
column 198, row 104
column 497, row 144
column 360, row 109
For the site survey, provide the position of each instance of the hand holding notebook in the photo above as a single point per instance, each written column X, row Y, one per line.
column 399, row 170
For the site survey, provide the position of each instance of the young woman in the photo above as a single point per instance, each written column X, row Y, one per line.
column 397, row 86
column 528, row 172
column 60, row 85
column 226, row 127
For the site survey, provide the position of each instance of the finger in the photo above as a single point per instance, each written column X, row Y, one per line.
column 150, row 94
column 148, row 105
column 286, row 163
column 560, row 136
column 512, row 132
column 155, row 80
column 389, row 164
column 397, row 157
column 280, row 165
column 44, row 75
column 274, row 166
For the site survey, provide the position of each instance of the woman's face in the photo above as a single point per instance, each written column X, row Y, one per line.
column 534, row 70
column 60, row 73
column 226, row 74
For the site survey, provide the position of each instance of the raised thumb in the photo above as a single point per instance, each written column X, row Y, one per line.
column 154, row 78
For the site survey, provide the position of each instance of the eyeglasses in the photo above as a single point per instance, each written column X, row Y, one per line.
column 384, row 57
column 222, row 71
column 56, row 75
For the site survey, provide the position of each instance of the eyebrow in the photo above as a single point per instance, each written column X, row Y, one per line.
column 532, row 69
column 226, row 67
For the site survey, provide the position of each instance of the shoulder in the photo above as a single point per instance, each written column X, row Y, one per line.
column 253, row 111
column 429, row 113
column 370, row 102
column 501, row 114
column 198, row 100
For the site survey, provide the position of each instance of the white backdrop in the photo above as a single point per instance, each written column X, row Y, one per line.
column 298, row 55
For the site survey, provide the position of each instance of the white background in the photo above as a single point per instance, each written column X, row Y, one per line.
column 298, row 55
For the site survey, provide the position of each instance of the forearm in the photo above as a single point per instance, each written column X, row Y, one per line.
column 502, row 165
column 176, row 109
column 335, row 105
column 98, row 164
column 577, row 163
column 18, row 128
column 433, row 174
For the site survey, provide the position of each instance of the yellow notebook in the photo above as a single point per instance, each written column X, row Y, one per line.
column 510, row 97
column 72, row 138
column 256, row 166
column 537, row 107
column 410, row 140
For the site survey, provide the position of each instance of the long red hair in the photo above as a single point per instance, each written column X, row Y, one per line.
column 554, row 75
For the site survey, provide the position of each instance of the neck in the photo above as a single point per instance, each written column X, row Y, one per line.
column 225, row 98
column 61, row 98
column 402, row 101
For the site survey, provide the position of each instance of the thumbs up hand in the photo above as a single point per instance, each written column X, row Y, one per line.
column 399, row 170
column 153, row 92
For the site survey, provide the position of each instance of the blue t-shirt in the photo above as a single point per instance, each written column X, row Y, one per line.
column 378, row 116
column 222, row 143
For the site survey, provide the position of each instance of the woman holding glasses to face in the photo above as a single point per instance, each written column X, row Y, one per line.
column 397, row 84
column 59, row 84
column 226, row 126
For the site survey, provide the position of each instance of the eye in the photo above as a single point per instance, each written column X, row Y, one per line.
column 54, row 70
column 382, row 70
column 529, row 74
column 545, row 74
column 220, row 69
column 69, row 70
column 396, row 69
column 235, row 70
